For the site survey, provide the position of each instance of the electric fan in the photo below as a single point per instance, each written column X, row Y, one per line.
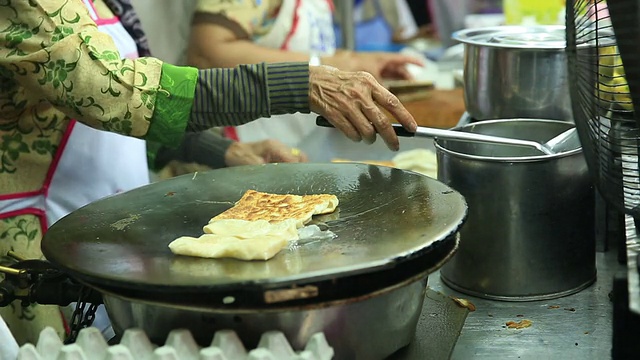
column 604, row 75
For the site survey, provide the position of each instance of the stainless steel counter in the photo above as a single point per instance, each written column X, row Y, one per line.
column 574, row 327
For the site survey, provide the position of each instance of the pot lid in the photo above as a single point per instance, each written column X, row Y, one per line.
column 385, row 217
column 521, row 37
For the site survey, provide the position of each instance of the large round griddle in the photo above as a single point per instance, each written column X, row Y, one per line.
column 386, row 216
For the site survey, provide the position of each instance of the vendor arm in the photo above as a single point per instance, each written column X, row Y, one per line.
column 203, row 147
column 215, row 151
column 53, row 54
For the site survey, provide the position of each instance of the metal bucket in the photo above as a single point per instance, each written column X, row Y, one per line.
column 530, row 231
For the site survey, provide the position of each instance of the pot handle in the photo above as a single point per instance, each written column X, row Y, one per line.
column 400, row 131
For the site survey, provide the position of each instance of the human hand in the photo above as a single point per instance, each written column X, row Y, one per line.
column 262, row 152
column 382, row 65
column 349, row 100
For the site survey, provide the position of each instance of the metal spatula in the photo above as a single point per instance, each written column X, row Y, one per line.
column 567, row 140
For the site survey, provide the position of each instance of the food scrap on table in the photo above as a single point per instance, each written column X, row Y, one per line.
column 522, row 324
column 464, row 303
column 257, row 227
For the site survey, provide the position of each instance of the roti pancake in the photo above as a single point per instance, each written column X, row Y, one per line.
column 257, row 227
column 244, row 229
column 218, row 246
column 276, row 208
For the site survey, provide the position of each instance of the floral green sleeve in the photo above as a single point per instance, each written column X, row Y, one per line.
column 53, row 52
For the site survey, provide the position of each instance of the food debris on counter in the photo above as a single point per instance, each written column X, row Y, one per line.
column 554, row 307
column 570, row 309
column 464, row 303
column 519, row 324
column 519, row 315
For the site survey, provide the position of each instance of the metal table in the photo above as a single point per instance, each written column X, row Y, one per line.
column 574, row 327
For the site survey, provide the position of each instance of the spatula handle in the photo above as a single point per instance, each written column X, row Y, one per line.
column 455, row 136
column 400, row 131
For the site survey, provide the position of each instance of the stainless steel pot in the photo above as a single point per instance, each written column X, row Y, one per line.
column 530, row 229
column 516, row 72
column 369, row 327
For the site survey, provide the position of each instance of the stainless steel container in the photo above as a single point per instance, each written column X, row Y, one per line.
column 530, row 230
column 516, row 72
column 369, row 327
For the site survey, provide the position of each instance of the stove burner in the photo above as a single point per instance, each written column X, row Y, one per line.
column 179, row 345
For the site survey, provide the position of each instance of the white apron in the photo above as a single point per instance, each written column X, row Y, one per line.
column 93, row 163
column 88, row 165
column 8, row 346
column 302, row 26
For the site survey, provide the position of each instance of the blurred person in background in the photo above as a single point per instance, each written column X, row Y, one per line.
column 228, row 33
column 385, row 24
column 420, row 12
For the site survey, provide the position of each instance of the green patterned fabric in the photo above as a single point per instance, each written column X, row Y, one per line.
column 173, row 104
column 55, row 65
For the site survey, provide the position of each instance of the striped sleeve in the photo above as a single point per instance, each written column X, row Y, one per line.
column 231, row 97
column 288, row 86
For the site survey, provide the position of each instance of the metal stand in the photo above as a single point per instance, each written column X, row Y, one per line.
column 625, row 323
column 626, row 295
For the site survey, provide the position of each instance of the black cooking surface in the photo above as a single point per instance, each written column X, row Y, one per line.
column 385, row 216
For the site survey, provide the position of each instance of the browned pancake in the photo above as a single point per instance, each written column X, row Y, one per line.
column 255, row 205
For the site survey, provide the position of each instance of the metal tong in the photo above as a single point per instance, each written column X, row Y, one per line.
column 547, row 148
